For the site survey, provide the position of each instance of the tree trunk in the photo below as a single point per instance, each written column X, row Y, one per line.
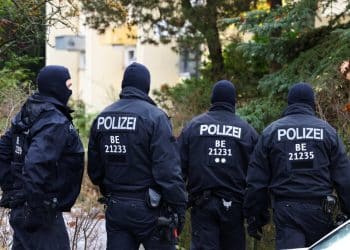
column 204, row 19
column 275, row 4
column 215, row 55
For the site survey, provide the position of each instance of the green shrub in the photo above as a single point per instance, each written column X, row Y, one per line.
column 82, row 120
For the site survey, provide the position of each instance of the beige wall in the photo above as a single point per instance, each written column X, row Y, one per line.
column 102, row 74
column 59, row 57
column 162, row 62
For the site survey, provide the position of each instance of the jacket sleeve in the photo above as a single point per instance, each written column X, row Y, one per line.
column 6, row 177
column 95, row 167
column 166, row 168
column 45, row 150
column 340, row 172
column 248, row 147
column 258, row 177
column 183, row 146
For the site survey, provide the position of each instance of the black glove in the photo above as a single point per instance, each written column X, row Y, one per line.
column 265, row 217
column 181, row 214
column 254, row 228
column 255, row 224
column 340, row 219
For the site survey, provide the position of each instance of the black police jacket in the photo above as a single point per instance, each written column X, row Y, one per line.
column 41, row 154
column 298, row 156
column 215, row 149
column 131, row 148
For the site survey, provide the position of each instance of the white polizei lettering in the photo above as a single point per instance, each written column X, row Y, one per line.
column 281, row 133
column 212, row 129
column 236, row 132
column 319, row 134
column 203, row 128
column 113, row 123
column 218, row 131
column 309, row 133
column 121, row 122
column 221, row 130
column 117, row 123
column 298, row 136
column 228, row 130
column 291, row 136
column 100, row 122
column 300, row 133
column 132, row 123
column 108, row 122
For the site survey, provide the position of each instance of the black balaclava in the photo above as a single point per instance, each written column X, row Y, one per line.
column 301, row 93
column 52, row 82
column 224, row 91
column 137, row 75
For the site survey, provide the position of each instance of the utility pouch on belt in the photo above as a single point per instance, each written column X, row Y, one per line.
column 329, row 204
column 153, row 198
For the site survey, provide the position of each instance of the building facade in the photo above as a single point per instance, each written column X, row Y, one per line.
column 97, row 61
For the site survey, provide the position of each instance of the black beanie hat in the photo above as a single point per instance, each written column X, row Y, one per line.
column 52, row 82
column 137, row 75
column 301, row 93
column 224, row 91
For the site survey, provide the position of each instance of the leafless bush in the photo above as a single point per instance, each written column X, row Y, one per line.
column 85, row 228
column 11, row 101
column 5, row 229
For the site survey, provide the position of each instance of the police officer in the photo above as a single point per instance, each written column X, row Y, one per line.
column 133, row 159
column 41, row 164
column 215, row 148
column 299, row 159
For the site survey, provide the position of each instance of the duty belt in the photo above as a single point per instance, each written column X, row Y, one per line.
column 313, row 201
column 129, row 194
column 201, row 198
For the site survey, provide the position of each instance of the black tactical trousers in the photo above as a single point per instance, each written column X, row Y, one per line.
column 299, row 224
column 129, row 223
column 216, row 227
column 51, row 236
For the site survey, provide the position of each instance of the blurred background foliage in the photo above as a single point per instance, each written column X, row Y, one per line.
column 285, row 48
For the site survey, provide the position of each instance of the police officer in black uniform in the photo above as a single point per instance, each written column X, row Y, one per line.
column 298, row 160
column 215, row 148
column 41, row 165
column 133, row 159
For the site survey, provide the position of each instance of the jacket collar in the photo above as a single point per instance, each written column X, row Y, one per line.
column 35, row 105
column 134, row 93
column 222, row 106
column 298, row 108
column 37, row 97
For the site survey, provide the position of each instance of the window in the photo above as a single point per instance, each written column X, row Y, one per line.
column 130, row 56
column 189, row 63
